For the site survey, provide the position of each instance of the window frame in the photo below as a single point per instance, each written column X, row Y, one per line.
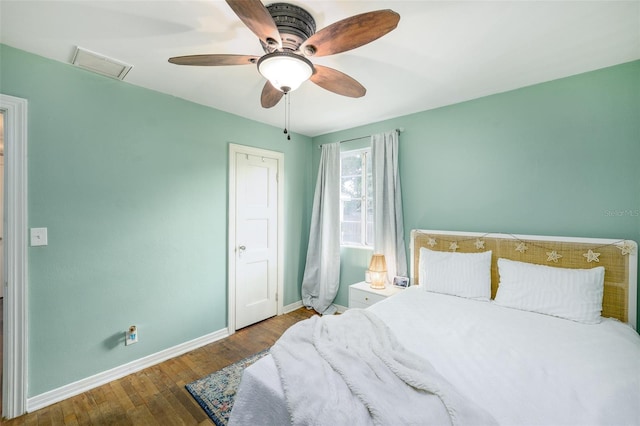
column 366, row 237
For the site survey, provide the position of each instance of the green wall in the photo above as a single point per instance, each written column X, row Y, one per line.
column 132, row 186
column 559, row 158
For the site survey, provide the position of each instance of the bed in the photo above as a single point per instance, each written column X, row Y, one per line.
column 495, row 329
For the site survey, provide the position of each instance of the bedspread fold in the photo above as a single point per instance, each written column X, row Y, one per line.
column 350, row 369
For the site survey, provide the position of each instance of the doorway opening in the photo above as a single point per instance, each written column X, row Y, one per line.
column 2, row 277
column 14, row 276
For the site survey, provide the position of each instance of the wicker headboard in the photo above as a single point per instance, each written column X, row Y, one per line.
column 619, row 258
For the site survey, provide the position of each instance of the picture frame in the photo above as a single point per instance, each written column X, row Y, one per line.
column 402, row 282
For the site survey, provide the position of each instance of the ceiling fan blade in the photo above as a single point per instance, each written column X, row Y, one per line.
column 337, row 82
column 270, row 95
column 214, row 60
column 350, row 33
column 258, row 19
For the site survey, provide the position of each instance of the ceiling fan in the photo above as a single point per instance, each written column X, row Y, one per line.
column 288, row 36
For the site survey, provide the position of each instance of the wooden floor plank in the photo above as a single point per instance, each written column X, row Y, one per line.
column 177, row 410
column 190, row 405
column 134, row 396
column 68, row 415
column 156, row 395
column 80, row 409
column 45, row 417
column 159, row 407
column 32, row 419
column 122, row 397
column 111, row 411
column 141, row 416
column 57, row 417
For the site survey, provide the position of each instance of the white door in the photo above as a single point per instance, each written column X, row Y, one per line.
column 2, row 218
column 255, row 246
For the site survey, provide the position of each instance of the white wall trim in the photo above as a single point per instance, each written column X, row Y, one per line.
column 83, row 385
column 297, row 305
column 341, row 309
column 16, row 327
column 231, row 254
column 292, row 307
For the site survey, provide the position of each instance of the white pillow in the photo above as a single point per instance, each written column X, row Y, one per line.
column 574, row 294
column 460, row 274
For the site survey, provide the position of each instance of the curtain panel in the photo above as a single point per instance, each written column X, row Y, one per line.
column 388, row 219
column 321, row 277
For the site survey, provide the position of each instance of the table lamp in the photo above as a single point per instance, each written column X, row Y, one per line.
column 378, row 271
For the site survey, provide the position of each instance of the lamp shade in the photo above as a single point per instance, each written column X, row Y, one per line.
column 378, row 271
column 285, row 70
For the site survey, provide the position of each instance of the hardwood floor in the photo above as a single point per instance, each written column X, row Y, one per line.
column 1, row 347
column 156, row 395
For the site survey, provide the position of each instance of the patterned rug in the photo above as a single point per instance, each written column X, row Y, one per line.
column 215, row 393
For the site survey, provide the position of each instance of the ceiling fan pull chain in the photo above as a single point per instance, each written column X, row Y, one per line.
column 285, row 114
column 288, row 113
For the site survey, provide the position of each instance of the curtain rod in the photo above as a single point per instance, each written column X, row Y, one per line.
column 399, row 130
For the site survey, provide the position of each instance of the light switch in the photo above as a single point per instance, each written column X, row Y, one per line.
column 38, row 237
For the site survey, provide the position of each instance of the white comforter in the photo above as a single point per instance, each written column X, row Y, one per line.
column 523, row 368
column 520, row 367
column 355, row 372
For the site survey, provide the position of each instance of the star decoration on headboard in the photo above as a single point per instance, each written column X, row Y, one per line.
column 432, row 242
column 479, row 244
column 553, row 256
column 591, row 256
column 453, row 246
column 625, row 248
column 521, row 247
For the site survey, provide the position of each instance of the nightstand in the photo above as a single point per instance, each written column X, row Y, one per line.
column 361, row 295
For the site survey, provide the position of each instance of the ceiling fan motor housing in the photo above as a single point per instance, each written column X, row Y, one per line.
column 283, row 29
column 295, row 25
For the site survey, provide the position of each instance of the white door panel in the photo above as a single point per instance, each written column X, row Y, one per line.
column 2, row 276
column 256, row 233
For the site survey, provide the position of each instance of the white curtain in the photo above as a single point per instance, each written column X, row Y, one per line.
column 387, row 196
column 322, row 271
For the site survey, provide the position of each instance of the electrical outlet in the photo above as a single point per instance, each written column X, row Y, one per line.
column 131, row 336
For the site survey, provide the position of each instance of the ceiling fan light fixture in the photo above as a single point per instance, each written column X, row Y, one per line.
column 285, row 71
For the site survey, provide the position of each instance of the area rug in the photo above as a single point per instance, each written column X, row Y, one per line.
column 216, row 392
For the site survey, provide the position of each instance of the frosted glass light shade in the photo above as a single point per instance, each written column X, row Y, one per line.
column 378, row 271
column 285, row 70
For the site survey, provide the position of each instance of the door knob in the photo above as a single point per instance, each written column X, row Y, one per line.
column 242, row 248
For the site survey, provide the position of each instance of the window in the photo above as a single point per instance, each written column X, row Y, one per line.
column 356, row 198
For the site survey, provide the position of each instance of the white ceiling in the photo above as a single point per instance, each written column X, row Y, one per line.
column 443, row 52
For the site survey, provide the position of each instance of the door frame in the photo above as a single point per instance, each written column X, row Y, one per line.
column 16, row 330
column 231, row 253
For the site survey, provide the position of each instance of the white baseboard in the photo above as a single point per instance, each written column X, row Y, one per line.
column 83, row 385
column 297, row 305
column 292, row 307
